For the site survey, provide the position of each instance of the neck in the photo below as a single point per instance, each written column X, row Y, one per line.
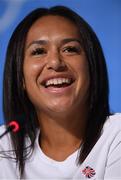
column 61, row 136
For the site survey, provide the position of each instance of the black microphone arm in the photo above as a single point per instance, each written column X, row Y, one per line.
column 12, row 126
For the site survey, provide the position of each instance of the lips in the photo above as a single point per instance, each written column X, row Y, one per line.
column 58, row 82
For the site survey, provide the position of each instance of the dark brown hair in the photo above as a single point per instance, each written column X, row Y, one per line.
column 16, row 102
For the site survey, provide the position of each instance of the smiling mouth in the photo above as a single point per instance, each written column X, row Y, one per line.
column 58, row 82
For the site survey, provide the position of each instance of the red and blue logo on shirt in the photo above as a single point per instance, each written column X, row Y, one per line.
column 88, row 172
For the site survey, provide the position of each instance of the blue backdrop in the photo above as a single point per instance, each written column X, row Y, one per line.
column 103, row 15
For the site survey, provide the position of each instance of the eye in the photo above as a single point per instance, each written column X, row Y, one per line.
column 38, row 51
column 72, row 50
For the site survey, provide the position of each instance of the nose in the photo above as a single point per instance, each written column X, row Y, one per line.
column 56, row 62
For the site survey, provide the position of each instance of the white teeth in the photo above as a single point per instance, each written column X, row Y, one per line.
column 57, row 81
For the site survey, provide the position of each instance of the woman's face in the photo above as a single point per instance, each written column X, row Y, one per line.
column 56, row 76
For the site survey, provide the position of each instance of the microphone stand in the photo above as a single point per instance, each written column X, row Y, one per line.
column 9, row 128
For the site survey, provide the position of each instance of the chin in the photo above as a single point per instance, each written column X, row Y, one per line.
column 61, row 107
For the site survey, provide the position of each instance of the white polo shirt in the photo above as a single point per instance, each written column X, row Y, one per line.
column 102, row 163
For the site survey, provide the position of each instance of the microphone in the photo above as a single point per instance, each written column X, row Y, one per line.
column 13, row 126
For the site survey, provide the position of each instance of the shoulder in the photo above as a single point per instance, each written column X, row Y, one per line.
column 113, row 122
column 111, row 133
column 112, row 127
column 2, row 129
column 5, row 140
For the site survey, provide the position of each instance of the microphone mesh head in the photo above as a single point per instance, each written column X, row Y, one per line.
column 14, row 125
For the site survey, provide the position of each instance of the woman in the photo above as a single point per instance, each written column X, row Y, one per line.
column 56, row 87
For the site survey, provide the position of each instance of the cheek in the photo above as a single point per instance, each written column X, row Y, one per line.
column 83, row 79
column 32, row 72
column 80, row 66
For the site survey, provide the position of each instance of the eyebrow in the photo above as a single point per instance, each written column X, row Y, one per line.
column 40, row 42
column 64, row 41
column 44, row 42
